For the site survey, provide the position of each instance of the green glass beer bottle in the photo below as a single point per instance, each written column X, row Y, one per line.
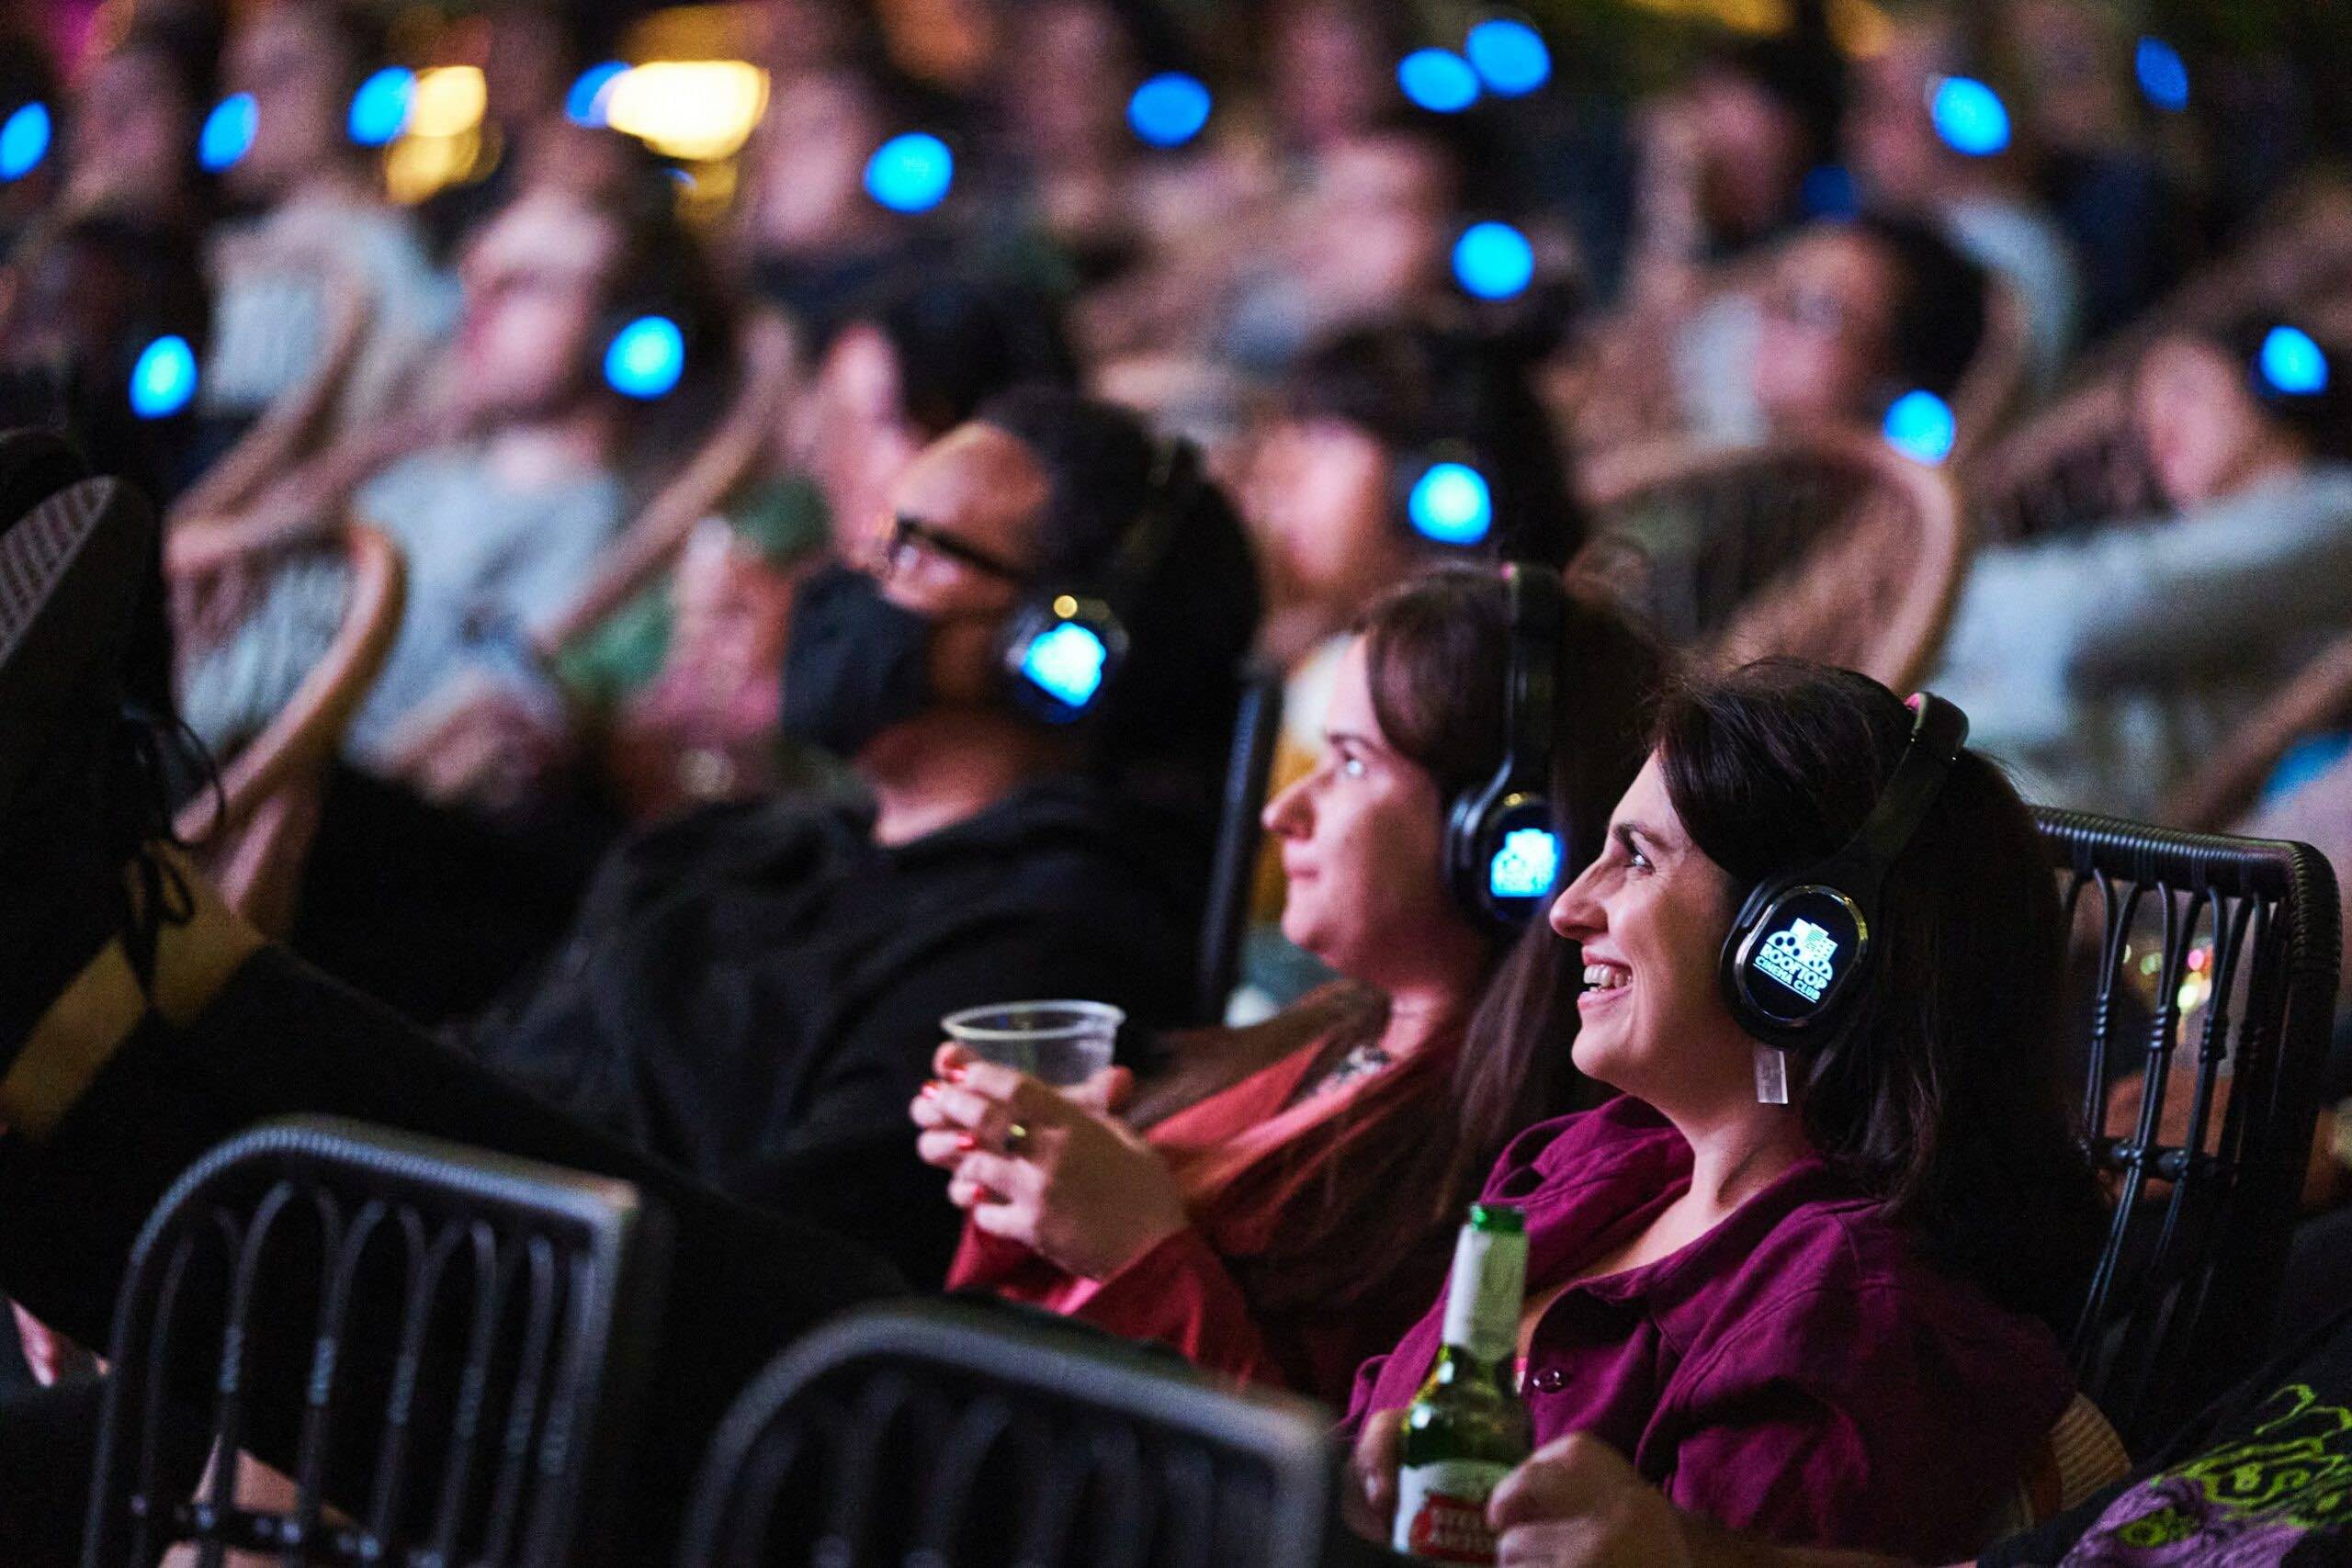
column 1467, row 1427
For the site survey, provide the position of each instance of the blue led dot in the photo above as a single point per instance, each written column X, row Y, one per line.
column 1970, row 117
column 1493, row 261
column 647, row 357
column 1450, row 504
column 1510, row 57
column 228, row 132
column 379, row 109
column 1920, row 425
column 1438, row 80
column 1526, row 865
column 2292, row 363
column 1169, row 110
column 581, row 105
column 1066, row 663
column 910, row 173
column 163, row 379
column 2164, row 75
column 24, row 141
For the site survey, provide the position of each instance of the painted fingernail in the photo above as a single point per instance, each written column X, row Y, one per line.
column 931, row 1089
column 955, row 1074
column 965, row 1142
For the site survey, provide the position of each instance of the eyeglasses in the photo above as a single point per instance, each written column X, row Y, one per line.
column 910, row 536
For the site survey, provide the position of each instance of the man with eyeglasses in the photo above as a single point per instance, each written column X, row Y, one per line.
column 754, row 992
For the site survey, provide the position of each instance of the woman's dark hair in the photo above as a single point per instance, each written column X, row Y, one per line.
column 1941, row 302
column 1191, row 611
column 1419, row 391
column 1437, row 651
column 1939, row 1090
column 959, row 341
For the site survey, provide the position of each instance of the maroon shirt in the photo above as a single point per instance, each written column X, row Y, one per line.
column 1799, row 1370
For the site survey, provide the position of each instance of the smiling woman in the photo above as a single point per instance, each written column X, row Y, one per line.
column 1789, row 1316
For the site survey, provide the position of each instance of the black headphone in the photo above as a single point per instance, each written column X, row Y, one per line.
column 1065, row 643
column 1804, row 939
column 1505, row 842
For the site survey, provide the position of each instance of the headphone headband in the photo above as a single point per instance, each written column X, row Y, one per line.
column 1803, row 939
column 1506, row 845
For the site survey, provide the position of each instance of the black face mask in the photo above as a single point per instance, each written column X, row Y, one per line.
column 856, row 665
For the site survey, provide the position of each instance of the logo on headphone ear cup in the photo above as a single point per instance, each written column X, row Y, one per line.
column 1061, row 652
column 1505, row 847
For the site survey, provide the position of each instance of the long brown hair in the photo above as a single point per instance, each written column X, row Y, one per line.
column 1436, row 650
column 1939, row 1090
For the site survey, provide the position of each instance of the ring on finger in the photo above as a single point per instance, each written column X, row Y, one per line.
column 1016, row 1138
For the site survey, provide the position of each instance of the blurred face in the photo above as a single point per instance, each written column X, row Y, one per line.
column 1890, row 144
column 536, row 282
column 976, row 491
column 133, row 127
column 1317, row 501
column 1363, row 845
column 2199, row 422
column 1750, row 151
column 287, row 61
column 1823, row 355
column 1387, row 198
column 859, row 441
column 1069, row 71
column 811, row 155
column 1329, row 80
column 1651, row 915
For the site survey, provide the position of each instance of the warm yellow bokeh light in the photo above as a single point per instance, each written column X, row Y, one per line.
column 695, row 109
column 449, row 101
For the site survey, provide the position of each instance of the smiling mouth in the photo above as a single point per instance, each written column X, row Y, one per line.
column 1603, row 983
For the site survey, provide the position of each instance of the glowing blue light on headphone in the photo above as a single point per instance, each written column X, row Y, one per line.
column 910, row 173
column 379, row 109
column 1452, row 504
column 228, row 133
column 1066, row 663
column 1510, row 57
column 2292, row 362
column 163, row 379
column 24, row 141
column 646, row 359
column 1169, row 110
column 1493, row 261
column 2164, row 75
column 1920, row 425
column 1438, row 80
column 583, row 104
column 1526, row 865
column 1970, row 117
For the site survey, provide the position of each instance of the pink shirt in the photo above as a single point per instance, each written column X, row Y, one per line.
column 1800, row 1371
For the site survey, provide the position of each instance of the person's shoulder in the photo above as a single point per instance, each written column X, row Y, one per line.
column 1584, row 1144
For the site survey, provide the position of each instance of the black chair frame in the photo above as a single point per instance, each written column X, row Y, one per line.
column 520, row 1327
column 2179, row 1304
column 1249, row 767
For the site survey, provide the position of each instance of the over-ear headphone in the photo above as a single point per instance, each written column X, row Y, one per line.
column 1065, row 643
column 1505, row 838
column 1804, row 939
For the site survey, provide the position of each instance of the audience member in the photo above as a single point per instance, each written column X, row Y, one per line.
column 2101, row 666
column 132, row 138
column 1792, row 1279
column 1280, row 1200
column 323, row 219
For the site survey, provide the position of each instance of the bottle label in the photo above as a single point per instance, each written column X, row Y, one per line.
column 1442, row 1510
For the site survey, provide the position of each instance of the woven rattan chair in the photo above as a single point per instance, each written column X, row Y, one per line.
column 442, row 1349
column 300, row 637
column 2076, row 464
column 297, row 425
column 1836, row 548
column 946, row 1433
column 653, row 540
column 2212, row 980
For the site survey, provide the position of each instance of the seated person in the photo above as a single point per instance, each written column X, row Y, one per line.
column 1847, row 316
column 2103, row 665
column 1333, row 496
column 137, row 112
column 503, row 504
column 2257, row 1478
column 1792, row 1280
column 323, row 211
column 1279, row 1203
column 751, row 991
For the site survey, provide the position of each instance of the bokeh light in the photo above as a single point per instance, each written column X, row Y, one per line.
column 1510, row 57
column 1438, row 80
column 228, row 133
column 647, row 357
column 1920, row 425
column 910, row 173
column 24, row 141
column 379, row 109
column 1452, row 504
column 2292, row 362
column 164, row 377
column 1970, row 117
column 1169, row 110
column 584, row 103
column 1493, row 261
column 2164, row 75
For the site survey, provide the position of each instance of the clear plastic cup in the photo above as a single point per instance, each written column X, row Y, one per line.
column 1062, row 1044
